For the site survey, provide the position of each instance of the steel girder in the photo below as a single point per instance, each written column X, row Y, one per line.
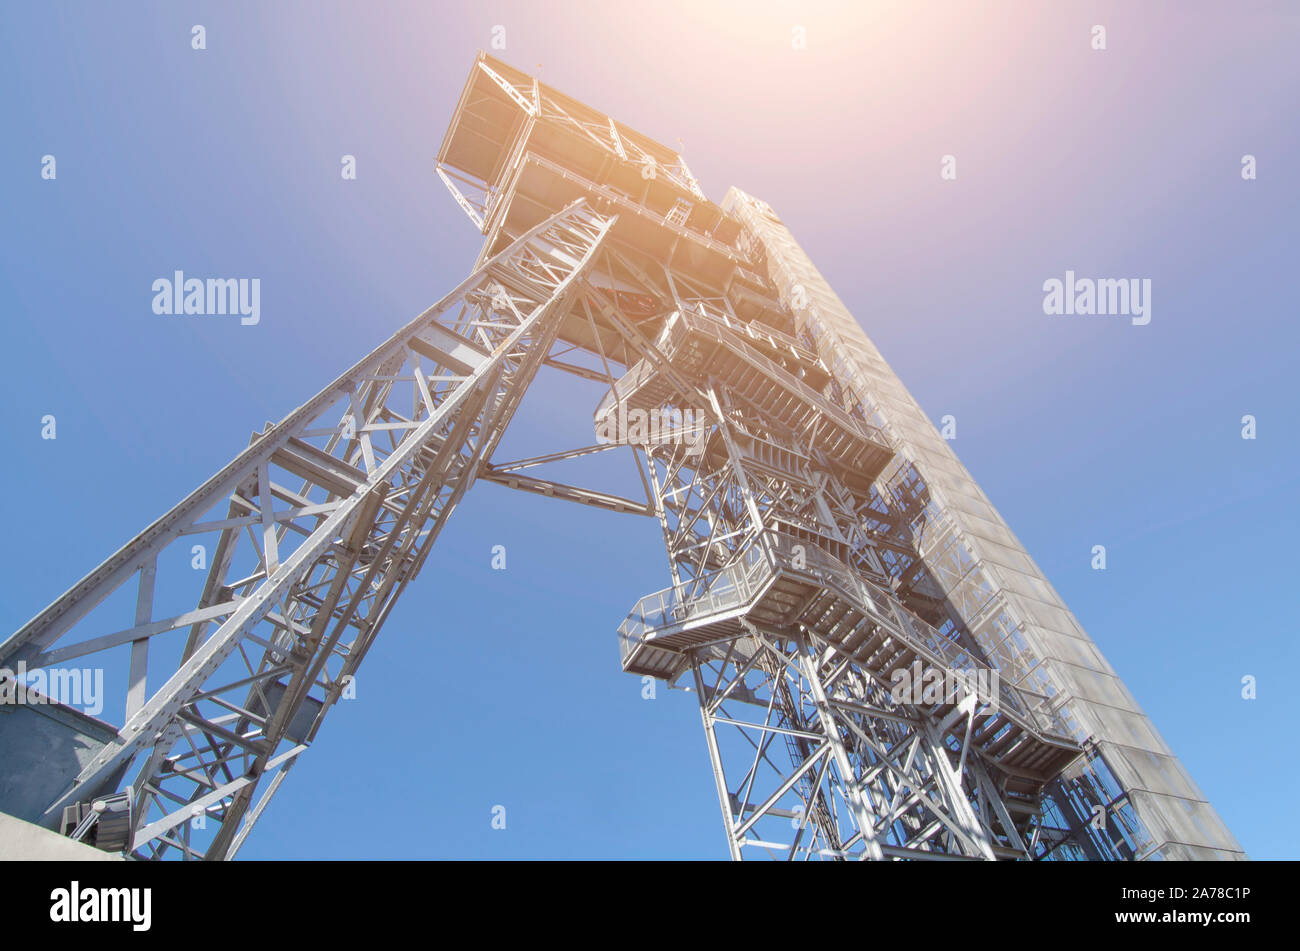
column 313, row 532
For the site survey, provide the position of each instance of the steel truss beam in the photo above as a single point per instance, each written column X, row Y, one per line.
column 327, row 516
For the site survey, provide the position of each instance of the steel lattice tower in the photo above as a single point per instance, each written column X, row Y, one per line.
column 823, row 540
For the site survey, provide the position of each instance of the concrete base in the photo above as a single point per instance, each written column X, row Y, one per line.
column 23, row 842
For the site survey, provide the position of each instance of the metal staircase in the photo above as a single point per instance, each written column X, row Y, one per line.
column 772, row 383
column 862, row 621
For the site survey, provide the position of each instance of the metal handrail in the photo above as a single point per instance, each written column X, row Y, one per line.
column 720, row 332
column 703, row 310
column 769, row 552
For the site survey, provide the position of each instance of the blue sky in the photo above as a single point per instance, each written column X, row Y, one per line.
column 503, row 687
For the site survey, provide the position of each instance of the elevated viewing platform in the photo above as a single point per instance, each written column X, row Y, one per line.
column 516, row 151
column 777, row 586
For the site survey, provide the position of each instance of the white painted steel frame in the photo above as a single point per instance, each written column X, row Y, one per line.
column 328, row 515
